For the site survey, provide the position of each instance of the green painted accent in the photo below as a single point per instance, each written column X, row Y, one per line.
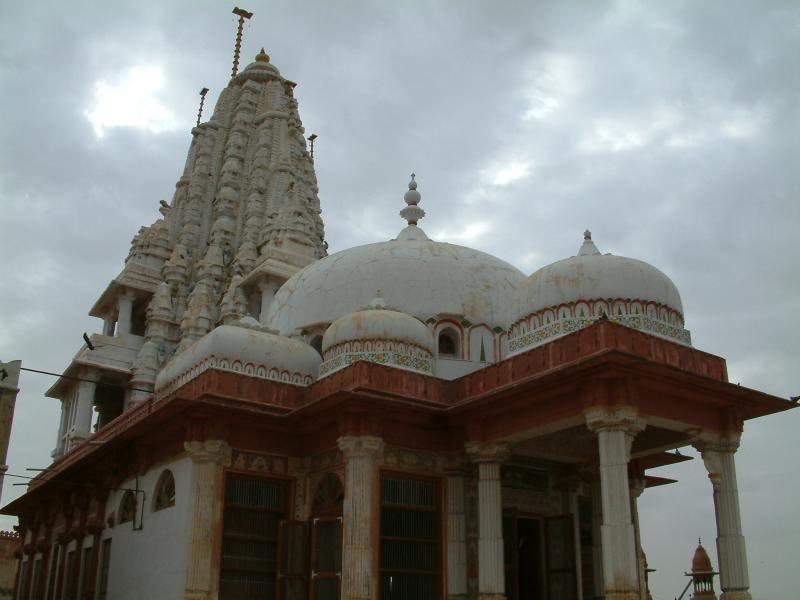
column 498, row 329
column 582, row 312
column 619, row 311
column 466, row 323
column 483, row 352
column 304, row 332
column 431, row 320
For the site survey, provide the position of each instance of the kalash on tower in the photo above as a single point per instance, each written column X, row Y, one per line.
column 404, row 420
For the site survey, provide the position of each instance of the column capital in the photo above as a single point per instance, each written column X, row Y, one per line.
column 637, row 486
column 710, row 441
column 618, row 418
column 488, row 451
column 209, row 451
column 360, row 446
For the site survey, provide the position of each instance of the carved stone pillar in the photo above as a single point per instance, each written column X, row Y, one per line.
column 718, row 459
column 208, row 458
column 615, row 429
column 637, row 486
column 125, row 314
column 456, row 536
column 491, row 562
column 81, row 427
column 360, row 460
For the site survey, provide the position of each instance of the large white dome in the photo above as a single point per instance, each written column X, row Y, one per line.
column 416, row 275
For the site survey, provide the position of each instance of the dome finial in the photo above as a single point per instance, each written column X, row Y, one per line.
column 262, row 56
column 588, row 247
column 412, row 213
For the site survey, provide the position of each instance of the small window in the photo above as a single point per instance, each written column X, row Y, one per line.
column 127, row 507
column 165, row 491
column 448, row 343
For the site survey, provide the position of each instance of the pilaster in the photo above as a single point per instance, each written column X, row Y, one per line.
column 718, row 457
column 208, row 458
column 360, row 460
column 456, row 533
column 615, row 428
column 491, row 562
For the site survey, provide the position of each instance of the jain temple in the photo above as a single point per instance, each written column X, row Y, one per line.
column 404, row 420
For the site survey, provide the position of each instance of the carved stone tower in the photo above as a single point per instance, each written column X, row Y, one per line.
column 244, row 217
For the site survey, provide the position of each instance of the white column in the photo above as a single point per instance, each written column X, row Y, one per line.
column 637, row 486
column 360, row 460
column 81, row 427
column 597, row 537
column 267, row 294
column 718, row 459
column 202, row 571
column 491, row 560
column 108, row 326
column 125, row 313
column 62, row 429
column 456, row 537
column 615, row 429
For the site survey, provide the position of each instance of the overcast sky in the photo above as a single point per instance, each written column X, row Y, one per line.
column 670, row 129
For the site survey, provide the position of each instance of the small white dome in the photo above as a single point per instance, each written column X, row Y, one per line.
column 569, row 294
column 378, row 335
column 245, row 348
column 378, row 324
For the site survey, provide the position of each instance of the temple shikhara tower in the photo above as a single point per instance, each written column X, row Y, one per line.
column 405, row 420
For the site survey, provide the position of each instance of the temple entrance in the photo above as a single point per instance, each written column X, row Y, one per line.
column 539, row 557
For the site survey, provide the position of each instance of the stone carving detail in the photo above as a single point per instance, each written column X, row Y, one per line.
column 235, row 366
column 399, row 457
column 259, row 463
column 384, row 352
column 533, row 334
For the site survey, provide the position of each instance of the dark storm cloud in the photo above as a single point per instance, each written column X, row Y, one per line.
column 669, row 129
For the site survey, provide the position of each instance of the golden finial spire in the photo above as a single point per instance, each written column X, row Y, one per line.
column 242, row 14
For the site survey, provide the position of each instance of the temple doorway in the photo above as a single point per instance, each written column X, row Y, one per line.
column 539, row 557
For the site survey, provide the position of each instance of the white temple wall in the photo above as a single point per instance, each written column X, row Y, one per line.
column 151, row 562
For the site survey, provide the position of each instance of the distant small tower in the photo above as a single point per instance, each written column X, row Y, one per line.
column 702, row 575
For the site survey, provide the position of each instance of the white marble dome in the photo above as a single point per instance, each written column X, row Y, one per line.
column 571, row 293
column 376, row 334
column 421, row 277
column 377, row 323
column 243, row 347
